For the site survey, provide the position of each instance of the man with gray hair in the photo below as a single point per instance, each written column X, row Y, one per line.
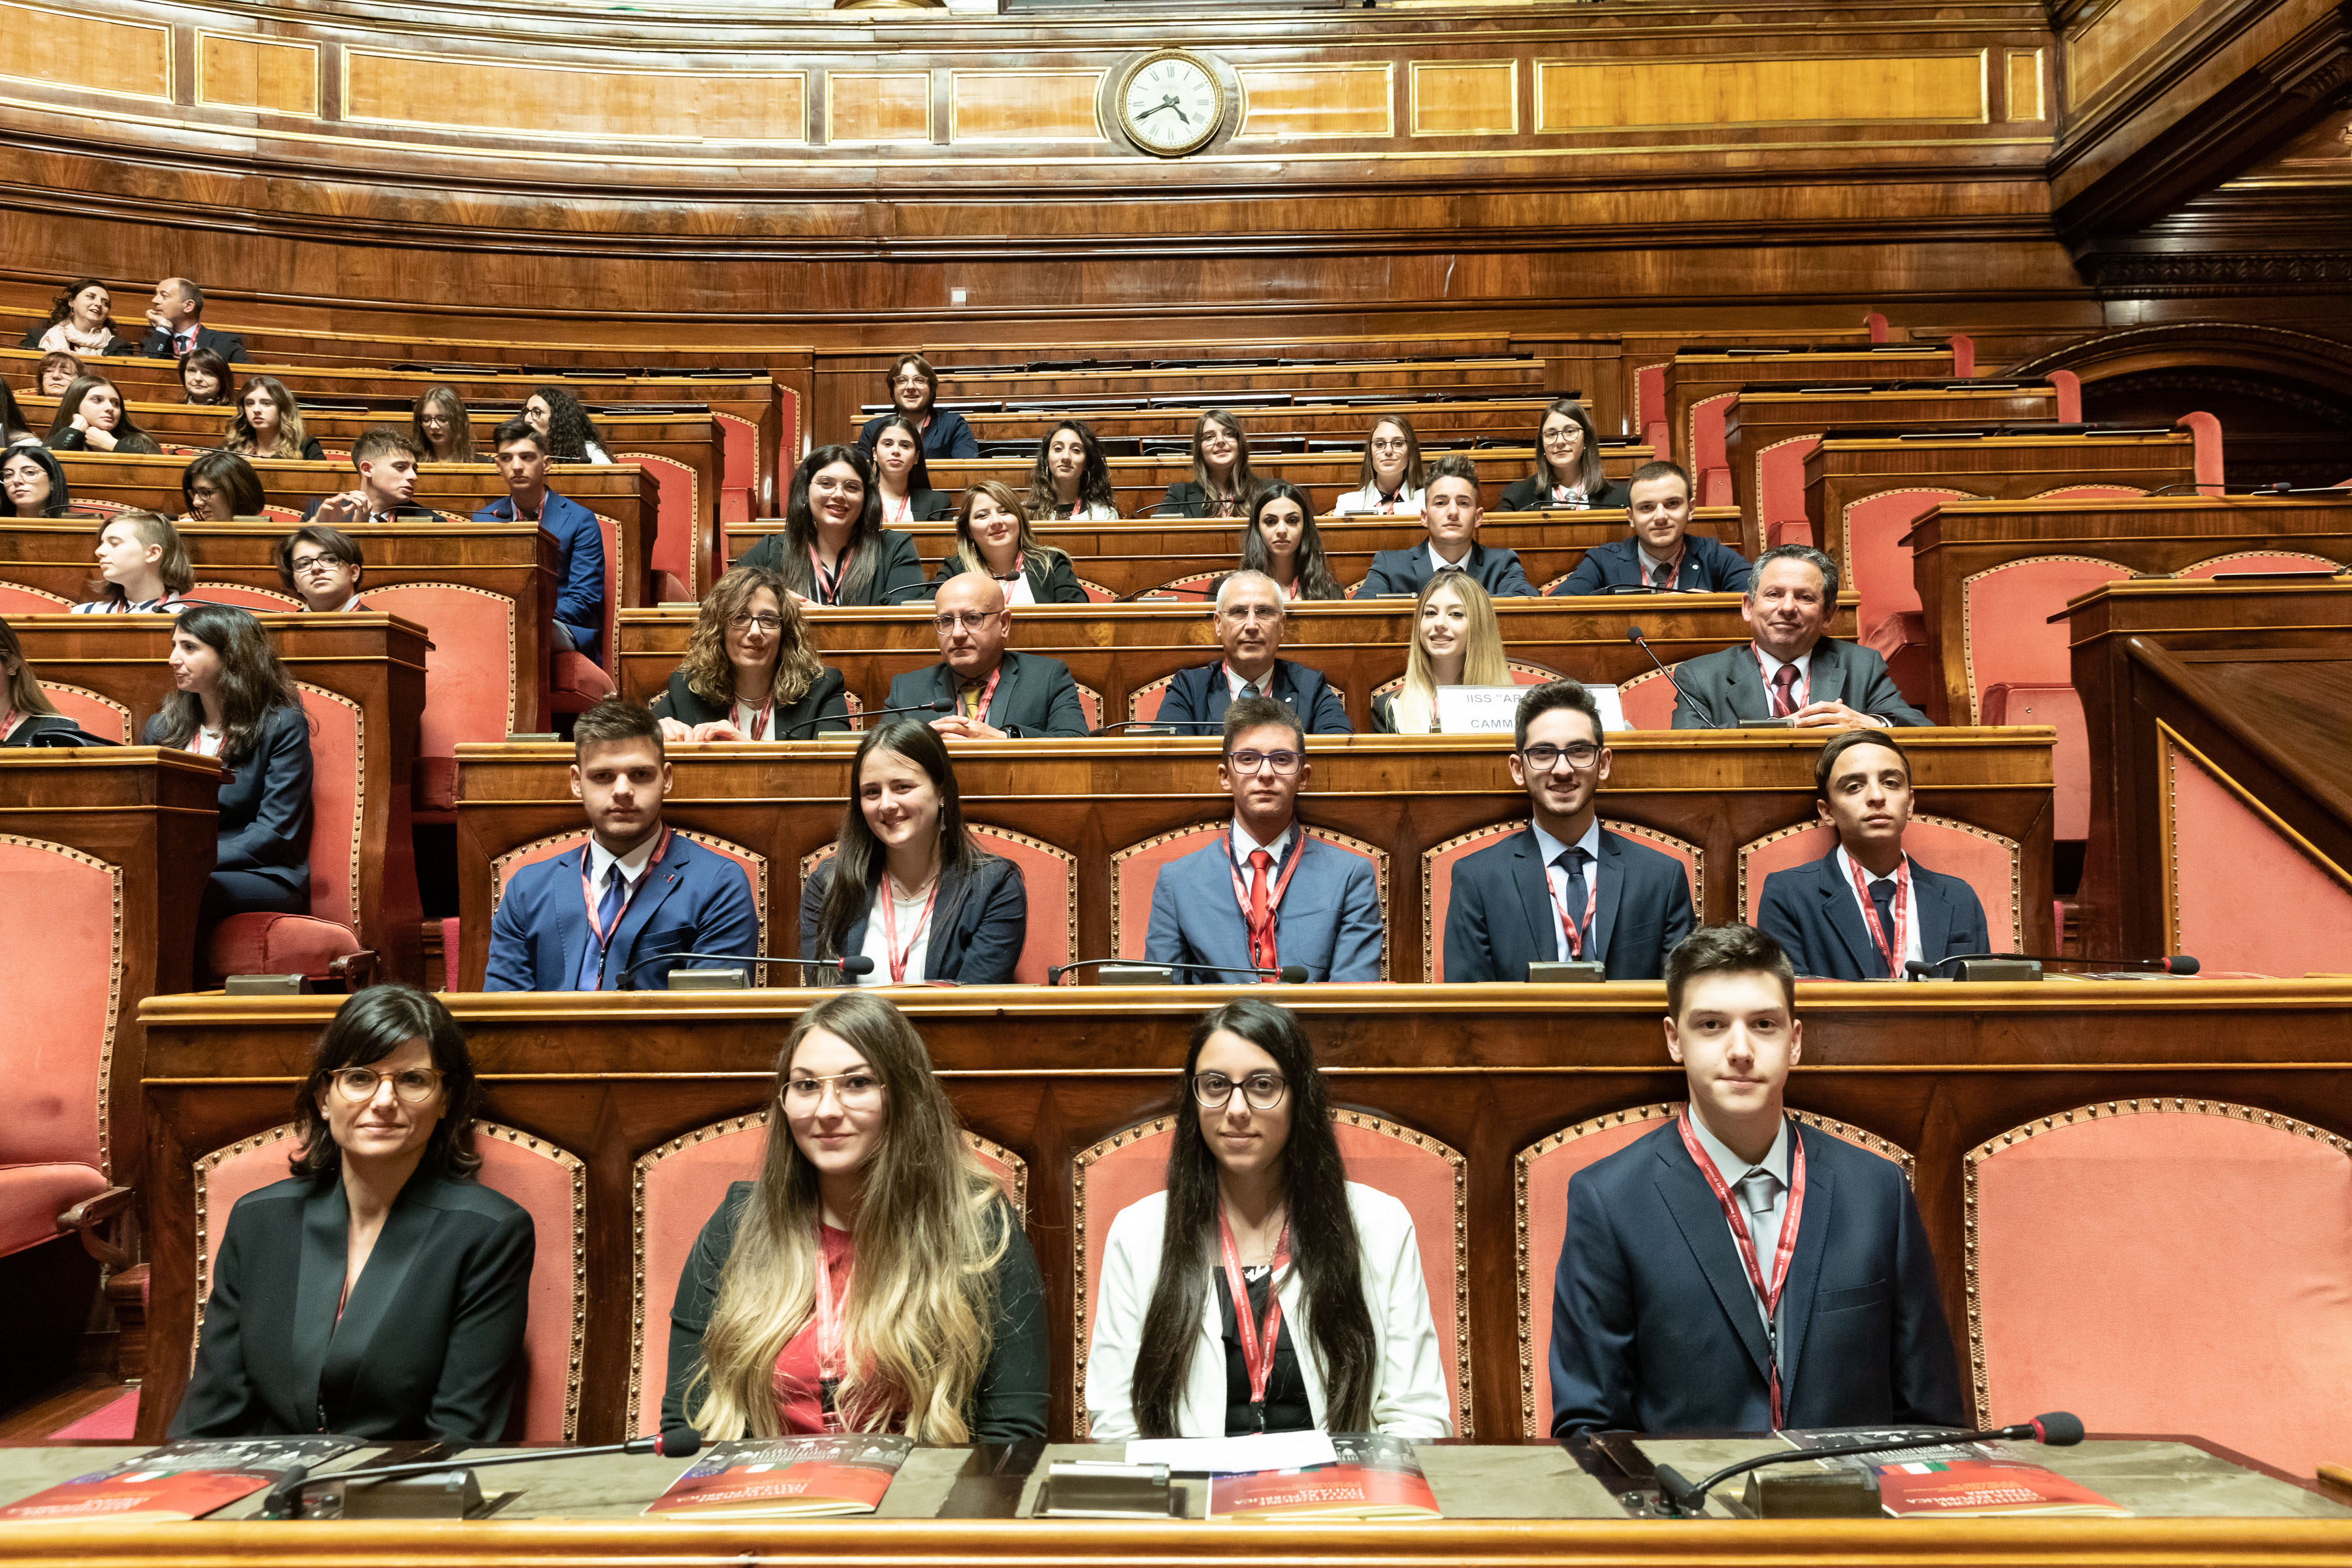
column 1249, row 619
column 176, row 326
column 1791, row 672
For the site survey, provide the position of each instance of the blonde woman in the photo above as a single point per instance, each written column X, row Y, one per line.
column 750, row 670
column 873, row 1278
column 1456, row 642
column 269, row 423
column 993, row 535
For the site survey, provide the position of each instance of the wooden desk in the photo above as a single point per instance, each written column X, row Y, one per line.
column 375, row 660
column 1700, row 384
column 1503, row 374
column 1512, row 413
column 1404, row 795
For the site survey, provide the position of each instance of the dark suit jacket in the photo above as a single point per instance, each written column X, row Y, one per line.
column 1053, row 583
column 1499, row 917
column 157, row 344
column 1709, row 566
column 1199, row 698
column 579, row 564
column 1729, row 682
column 1185, row 498
column 1405, row 571
column 692, row 900
column 1811, row 911
column 1527, row 495
column 822, row 710
column 977, row 928
column 946, row 436
column 1655, row 1328
column 409, row 510
column 265, row 803
column 1034, row 698
column 896, row 576
column 428, row 1344
column 932, row 505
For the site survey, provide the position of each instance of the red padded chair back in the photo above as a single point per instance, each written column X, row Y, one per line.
column 2260, row 561
column 1521, row 672
column 755, row 866
column 678, row 507
column 2091, row 492
column 1143, row 702
column 1705, row 452
column 16, row 599
column 857, row 707
column 101, row 716
column 2250, row 1345
column 1649, row 409
column 2060, row 706
column 260, row 601
column 2007, row 610
column 1438, row 861
column 1990, row 864
column 60, row 1041
column 1135, row 871
column 1096, row 594
column 1648, row 701
column 678, row 1188
column 1090, row 703
column 473, row 691
column 2240, row 893
column 1191, row 590
column 739, row 491
column 338, row 741
column 1877, row 567
column 1776, row 482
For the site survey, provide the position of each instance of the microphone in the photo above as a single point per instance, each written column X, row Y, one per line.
column 285, row 1498
column 1633, row 635
column 891, row 596
column 1288, row 974
column 1156, row 726
column 2056, row 1430
column 854, row 964
column 2179, row 963
column 1607, row 589
column 936, row 705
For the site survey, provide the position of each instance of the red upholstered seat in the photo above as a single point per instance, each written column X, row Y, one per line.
column 678, row 1188
column 2260, row 561
column 738, row 485
column 1541, row 1175
column 1877, row 564
column 1143, row 702
column 1705, row 452
column 677, row 507
column 1522, row 674
column 1090, row 703
column 754, row 864
column 575, row 683
column 1135, row 871
column 547, row 1180
column 281, row 513
column 1779, row 482
column 2013, row 644
column 1438, row 861
column 260, row 601
column 2167, row 1266
column 1649, row 409
column 1987, row 862
column 470, row 680
column 1430, row 1179
column 2060, row 706
column 1648, row 701
column 16, row 599
column 2241, row 894
column 1096, row 594
column 101, row 716
column 310, row 945
column 1192, row 590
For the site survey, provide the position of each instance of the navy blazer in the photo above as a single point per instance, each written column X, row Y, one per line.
column 822, row 710
column 977, row 928
column 1655, row 1327
column 946, row 436
column 265, row 801
column 1500, row 916
column 1036, row 696
column 692, row 900
column 1730, row 685
column 1709, row 566
column 1055, row 583
column 1329, row 920
column 1811, row 911
column 1532, row 494
column 157, row 344
column 427, row 1345
column 897, row 579
column 1405, row 571
column 578, row 565
column 1198, row 697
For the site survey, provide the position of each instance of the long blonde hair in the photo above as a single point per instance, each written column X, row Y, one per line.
column 1414, row 707
column 290, row 434
column 710, row 674
column 931, row 1227
column 967, row 550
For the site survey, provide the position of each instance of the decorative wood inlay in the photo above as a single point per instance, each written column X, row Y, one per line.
column 560, row 103
column 68, row 48
column 1296, row 103
column 2025, row 101
column 878, row 107
column 1694, row 94
column 1465, row 98
column 257, row 73
column 1023, row 106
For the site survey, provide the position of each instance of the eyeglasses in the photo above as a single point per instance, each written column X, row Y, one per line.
column 309, row 562
column 1214, row 1090
column 1563, row 435
column 1283, row 763
column 1391, row 446
column 1543, row 759
column 1245, row 614
column 971, row 620
column 855, row 1091
column 410, row 1086
column 767, row 626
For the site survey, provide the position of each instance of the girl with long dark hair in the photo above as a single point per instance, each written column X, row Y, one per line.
column 220, row 486
column 571, row 436
column 1568, row 466
column 25, row 712
column 81, row 322
column 1283, row 542
column 1071, row 481
column 901, row 476
column 93, row 418
column 833, row 549
column 33, row 483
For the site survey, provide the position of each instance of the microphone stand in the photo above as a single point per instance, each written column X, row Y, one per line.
column 854, row 964
column 1288, row 974
column 1686, row 1499
column 286, row 1497
column 1706, row 709
column 937, row 705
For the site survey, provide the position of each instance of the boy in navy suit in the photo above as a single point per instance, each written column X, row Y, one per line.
column 578, row 624
column 1659, row 551
column 1733, row 1270
column 586, row 920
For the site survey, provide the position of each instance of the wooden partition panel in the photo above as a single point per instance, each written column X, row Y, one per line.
column 1506, row 417
column 1140, row 484
column 1700, row 384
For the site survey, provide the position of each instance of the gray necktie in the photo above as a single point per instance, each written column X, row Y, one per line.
column 1758, row 1190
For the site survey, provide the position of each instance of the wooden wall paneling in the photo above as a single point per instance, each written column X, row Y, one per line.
column 1465, row 98
column 878, row 107
column 1046, row 106
column 595, row 105
column 1317, row 102
column 1777, row 90
column 117, row 57
column 241, row 71
column 2026, row 93
column 1518, row 418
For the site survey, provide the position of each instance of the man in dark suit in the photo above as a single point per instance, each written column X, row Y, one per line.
column 578, row 623
column 997, row 695
column 1249, row 617
column 633, row 892
column 385, row 459
column 175, row 327
column 1862, row 911
column 1450, row 511
column 1791, row 671
column 914, row 386
column 1733, row 1270
column 1563, row 888
column 1659, row 550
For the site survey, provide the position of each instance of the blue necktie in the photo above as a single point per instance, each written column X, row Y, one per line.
column 608, row 915
column 1882, row 897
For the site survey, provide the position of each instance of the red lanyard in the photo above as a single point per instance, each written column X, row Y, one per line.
column 1273, row 901
column 828, row 1336
column 1892, row 951
column 758, row 720
column 900, row 955
column 1258, row 1344
column 899, row 510
column 1674, row 570
column 828, row 589
column 1769, row 1295
column 9, row 724
column 987, row 694
column 1591, row 902
column 588, row 892
column 206, row 745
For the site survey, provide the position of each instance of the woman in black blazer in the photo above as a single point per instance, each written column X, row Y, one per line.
column 235, row 702
column 993, row 535
column 907, row 886
column 1568, row 466
column 1222, row 484
column 380, row 1291
column 751, row 669
column 833, row 549
column 902, row 477
column 25, row 712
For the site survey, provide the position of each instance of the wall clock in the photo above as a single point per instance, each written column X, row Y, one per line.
column 1172, row 103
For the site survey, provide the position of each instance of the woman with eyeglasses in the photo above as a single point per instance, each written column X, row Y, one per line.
column 750, row 670
column 321, row 566
column 1283, row 542
column 1568, row 474
column 380, row 1290
column 1261, row 1291
column 1456, row 641
column 1222, row 484
column 221, row 487
column 1391, row 479
column 874, row 1278
column 993, row 535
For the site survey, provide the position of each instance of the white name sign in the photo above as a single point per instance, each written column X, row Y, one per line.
column 1490, row 709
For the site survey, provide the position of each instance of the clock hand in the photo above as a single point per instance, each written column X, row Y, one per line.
column 1163, row 103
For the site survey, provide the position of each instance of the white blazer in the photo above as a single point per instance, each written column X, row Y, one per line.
column 1408, row 1401
column 1357, row 503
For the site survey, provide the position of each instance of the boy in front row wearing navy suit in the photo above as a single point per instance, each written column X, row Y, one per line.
column 635, row 891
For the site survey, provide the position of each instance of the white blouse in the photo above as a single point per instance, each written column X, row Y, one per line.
column 877, row 947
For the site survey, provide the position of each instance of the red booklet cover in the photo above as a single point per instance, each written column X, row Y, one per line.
column 1983, row 1488
column 787, row 1477
column 182, row 1481
column 1373, row 1478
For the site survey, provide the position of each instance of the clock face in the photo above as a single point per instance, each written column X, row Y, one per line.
column 1172, row 104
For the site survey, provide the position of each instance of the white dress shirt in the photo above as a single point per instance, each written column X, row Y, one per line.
column 632, row 865
column 1763, row 1228
column 1440, row 564
column 1906, row 905
column 908, row 912
column 1278, row 847
column 1359, row 503
column 1551, row 848
column 1802, row 693
column 1236, row 684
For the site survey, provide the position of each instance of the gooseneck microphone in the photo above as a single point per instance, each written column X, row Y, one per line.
column 286, row 1497
column 1633, row 635
column 855, row 964
column 1149, row 726
column 936, row 705
column 1288, row 974
column 2057, row 1430
column 2179, row 963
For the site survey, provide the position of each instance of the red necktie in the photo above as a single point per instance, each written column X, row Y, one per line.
column 1261, row 919
column 1784, row 691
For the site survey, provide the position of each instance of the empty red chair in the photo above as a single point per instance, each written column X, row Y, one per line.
column 101, row 715
column 1648, row 700
column 2242, row 895
column 2018, row 663
column 473, row 689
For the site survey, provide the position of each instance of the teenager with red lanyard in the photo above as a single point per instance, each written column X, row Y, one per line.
column 1261, row 1291
column 900, row 476
column 1733, row 1269
column 833, row 549
column 1659, row 551
column 750, row 671
column 873, row 1278
column 143, row 568
column 907, row 886
column 1071, row 480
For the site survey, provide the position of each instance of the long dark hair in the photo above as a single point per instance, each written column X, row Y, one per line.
column 918, row 477
column 369, row 1026
column 1324, row 1244
column 19, row 688
column 1094, row 478
column 1244, row 483
column 569, row 431
column 12, row 419
column 60, row 500
column 859, row 856
column 232, row 475
column 800, row 524
column 1588, row 471
column 253, row 681
column 1315, row 578
column 127, row 436
column 62, row 306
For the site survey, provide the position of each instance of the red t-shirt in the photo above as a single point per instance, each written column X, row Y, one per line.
column 799, row 1406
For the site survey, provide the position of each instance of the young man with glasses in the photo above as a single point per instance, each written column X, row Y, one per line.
column 1265, row 895
column 1659, row 551
column 1449, row 513
column 1564, row 889
column 998, row 695
column 1249, row 619
column 914, row 384
column 322, row 567
column 522, row 459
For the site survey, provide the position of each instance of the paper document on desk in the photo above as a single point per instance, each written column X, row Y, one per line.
column 1234, row 1455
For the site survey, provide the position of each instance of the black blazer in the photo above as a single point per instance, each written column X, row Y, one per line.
column 1810, row 911
column 946, row 436
column 1730, row 686
column 1709, row 566
column 977, row 928
column 1500, row 916
column 1529, row 495
column 822, row 710
column 265, row 803
column 1185, row 498
column 428, row 1344
column 1035, row 697
column 157, row 344
column 138, row 442
column 932, row 505
column 1198, row 697
column 1655, row 1328
column 1407, row 570
column 1054, row 583
column 1008, row 1403
column 897, row 571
